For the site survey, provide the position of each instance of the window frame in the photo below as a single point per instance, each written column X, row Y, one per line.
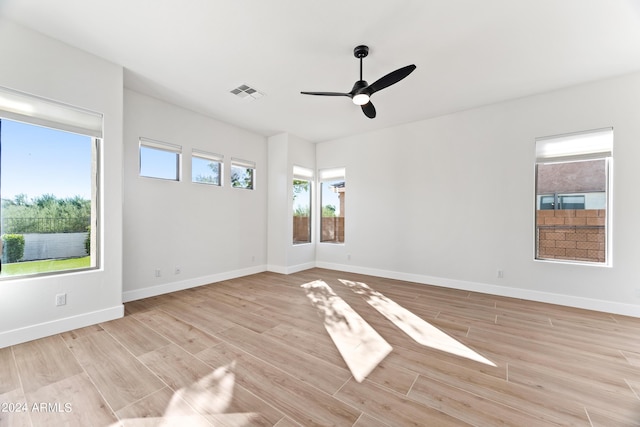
column 37, row 111
column 326, row 176
column 303, row 174
column 596, row 145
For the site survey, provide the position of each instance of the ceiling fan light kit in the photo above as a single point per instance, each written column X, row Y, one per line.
column 361, row 92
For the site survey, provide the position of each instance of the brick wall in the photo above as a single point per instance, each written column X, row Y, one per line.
column 332, row 229
column 576, row 235
column 301, row 229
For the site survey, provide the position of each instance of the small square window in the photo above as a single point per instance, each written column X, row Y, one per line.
column 159, row 160
column 206, row 168
column 243, row 174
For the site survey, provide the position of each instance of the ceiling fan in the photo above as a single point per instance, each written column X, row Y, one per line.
column 362, row 91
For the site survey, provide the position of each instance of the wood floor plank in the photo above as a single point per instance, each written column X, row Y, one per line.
column 635, row 387
column 157, row 405
column 176, row 367
column 471, row 408
column 566, row 359
column 368, row 421
column 195, row 315
column 315, row 342
column 245, row 402
column 43, row 362
column 65, row 403
column 298, row 400
column 239, row 316
column 619, row 402
column 632, row 357
column 192, row 315
column 313, row 370
column 209, row 390
column 392, row 408
column 525, row 399
column 9, row 379
column 70, row 336
column 286, row 422
column 135, row 336
column 119, row 376
column 17, row 412
column 624, row 417
column 183, row 334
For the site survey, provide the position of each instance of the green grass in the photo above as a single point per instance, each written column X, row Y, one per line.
column 45, row 266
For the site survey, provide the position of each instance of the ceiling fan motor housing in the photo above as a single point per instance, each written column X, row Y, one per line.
column 359, row 86
column 361, row 51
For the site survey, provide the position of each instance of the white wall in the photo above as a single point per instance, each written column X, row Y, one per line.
column 278, row 230
column 301, row 153
column 285, row 152
column 211, row 233
column 39, row 65
column 449, row 201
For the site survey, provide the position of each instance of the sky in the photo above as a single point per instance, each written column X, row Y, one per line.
column 330, row 197
column 36, row 160
column 156, row 163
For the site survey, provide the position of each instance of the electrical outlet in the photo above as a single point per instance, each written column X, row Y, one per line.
column 178, row 270
column 158, row 274
column 500, row 274
column 61, row 299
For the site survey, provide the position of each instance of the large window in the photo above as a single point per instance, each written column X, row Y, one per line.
column 302, row 181
column 159, row 159
column 332, row 203
column 49, row 186
column 206, row 168
column 572, row 196
column 243, row 174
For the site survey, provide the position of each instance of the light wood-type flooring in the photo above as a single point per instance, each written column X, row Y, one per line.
column 255, row 351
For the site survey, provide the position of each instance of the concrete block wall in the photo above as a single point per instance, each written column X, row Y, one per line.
column 576, row 235
column 53, row 246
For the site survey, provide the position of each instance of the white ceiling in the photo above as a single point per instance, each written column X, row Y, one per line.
column 467, row 52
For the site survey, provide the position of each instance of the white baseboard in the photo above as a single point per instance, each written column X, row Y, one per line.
column 166, row 288
column 290, row 269
column 41, row 330
column 527, row 294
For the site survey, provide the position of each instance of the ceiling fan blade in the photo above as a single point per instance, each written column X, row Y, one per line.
column 369, row 110
column 327, row 94
column 391, row 78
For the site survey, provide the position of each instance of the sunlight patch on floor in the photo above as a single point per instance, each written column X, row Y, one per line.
column 417, row 328
column 361, row 347
column 202, row 403
column 212, row 394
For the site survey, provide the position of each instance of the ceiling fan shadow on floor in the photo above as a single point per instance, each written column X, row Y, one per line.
column 361, row 92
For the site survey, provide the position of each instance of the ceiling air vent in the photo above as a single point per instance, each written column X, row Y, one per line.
column 246, row 92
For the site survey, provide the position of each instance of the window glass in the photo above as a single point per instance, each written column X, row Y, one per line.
column 572, row 192
column 48, row 182
column 159, row 160
column 301, row 205
column 332, row 202
column 242, row 174
column 206, row 168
